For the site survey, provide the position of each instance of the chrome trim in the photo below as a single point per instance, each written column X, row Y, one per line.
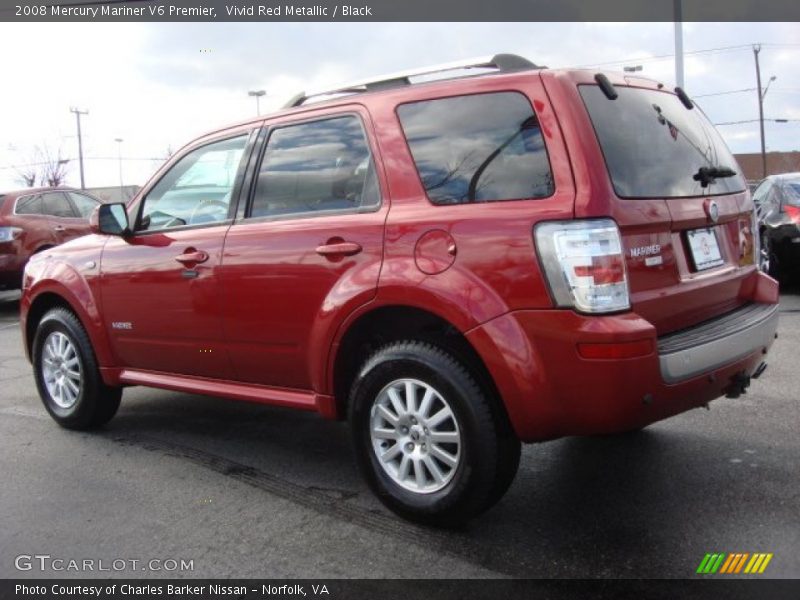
column 726, row 340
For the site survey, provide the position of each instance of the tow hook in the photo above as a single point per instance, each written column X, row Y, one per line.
column 738, row 386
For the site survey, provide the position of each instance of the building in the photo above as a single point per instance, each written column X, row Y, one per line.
column 777, row 162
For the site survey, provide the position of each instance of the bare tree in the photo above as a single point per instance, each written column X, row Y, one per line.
column 54, row 169
column 27, row 175
column 46, row 168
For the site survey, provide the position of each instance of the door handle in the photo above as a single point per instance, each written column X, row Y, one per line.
column 339, row 249
column 58, row 228
column 192, row 257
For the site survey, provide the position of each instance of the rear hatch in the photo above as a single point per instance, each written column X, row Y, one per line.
column 682, row 208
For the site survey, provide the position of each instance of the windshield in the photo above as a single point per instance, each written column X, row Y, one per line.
column 654, row 147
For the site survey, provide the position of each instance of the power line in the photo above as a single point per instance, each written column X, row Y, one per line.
column 718, row 50
column 756, row 121
column 39, row 164
column 723, row 93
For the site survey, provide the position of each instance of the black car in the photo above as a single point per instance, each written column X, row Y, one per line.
column 777, row 202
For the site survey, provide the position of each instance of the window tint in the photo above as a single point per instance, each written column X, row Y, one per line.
column 319, row 166
column 84, row 204
column 29, row 205
column 653, row 145
column 478, row 148
column 56, row 205
column 197, row 189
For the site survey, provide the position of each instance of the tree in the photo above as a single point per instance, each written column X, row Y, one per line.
column 54, row 170
column 45, row 168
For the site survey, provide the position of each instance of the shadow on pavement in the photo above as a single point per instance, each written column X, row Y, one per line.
column 613, row 497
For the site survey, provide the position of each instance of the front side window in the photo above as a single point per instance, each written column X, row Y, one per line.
column 57, row 205
column 84, row 204
column 479, row 148
column 315, row 167
column 197, row 189
column 29, row 205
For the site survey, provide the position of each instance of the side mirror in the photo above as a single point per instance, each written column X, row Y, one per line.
column 110, row 219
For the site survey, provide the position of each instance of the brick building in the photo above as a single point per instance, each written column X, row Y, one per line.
column 777, row 162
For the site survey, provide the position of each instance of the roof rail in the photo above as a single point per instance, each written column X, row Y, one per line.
column 499, row 62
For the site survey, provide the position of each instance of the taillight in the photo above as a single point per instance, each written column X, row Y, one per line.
column 748, row 240
column 584, row 264
column 9, row 234
column 793, row 212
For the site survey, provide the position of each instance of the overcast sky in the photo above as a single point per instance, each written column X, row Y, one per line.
column 157, row 86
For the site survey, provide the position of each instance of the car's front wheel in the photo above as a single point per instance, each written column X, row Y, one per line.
column 67, row 376
column 428, row 438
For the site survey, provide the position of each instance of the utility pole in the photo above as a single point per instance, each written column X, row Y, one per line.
column 119, row 156
column 756, row 50
column 678, row 43
column 78, row 114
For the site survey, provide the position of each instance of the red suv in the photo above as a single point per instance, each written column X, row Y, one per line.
column 33, row 220
column 454, row 266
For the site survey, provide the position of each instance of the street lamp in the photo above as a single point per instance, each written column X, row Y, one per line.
column 633, row 68
column 119, row 156
column 257, row 95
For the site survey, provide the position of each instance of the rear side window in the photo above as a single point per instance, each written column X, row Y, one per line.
column 654, row 146
column 29, row 205
column 316, row 167
column 478, row 148
column 57, row 205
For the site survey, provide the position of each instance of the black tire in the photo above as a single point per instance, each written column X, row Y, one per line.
column 508, row 464
column 773, row 266
column 488, row 459
column 94, row 403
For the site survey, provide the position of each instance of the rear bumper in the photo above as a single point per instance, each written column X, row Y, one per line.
column 717, row 343
column 551, row 390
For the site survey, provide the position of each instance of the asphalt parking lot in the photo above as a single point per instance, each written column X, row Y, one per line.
column 249, row 491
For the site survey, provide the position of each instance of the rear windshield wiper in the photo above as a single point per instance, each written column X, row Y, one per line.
column 707, row 175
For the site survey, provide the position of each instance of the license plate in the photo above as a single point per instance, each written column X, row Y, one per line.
column 705, row 249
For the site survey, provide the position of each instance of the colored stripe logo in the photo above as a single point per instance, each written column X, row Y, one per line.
column 734, row 563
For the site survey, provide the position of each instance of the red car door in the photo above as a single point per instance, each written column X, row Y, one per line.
column 64, row 220
column 308, row 249
column 160, row 286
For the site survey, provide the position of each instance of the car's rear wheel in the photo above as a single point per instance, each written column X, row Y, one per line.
column 67, row 376
column 428, row 439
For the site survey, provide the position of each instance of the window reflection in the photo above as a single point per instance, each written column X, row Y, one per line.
column 477, row 148
column 319, row 166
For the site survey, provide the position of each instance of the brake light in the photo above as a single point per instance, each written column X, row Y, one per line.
column 603, row 270
column 793, row 212
column 584, row 264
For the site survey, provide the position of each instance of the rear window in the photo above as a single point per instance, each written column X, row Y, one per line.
column 478, row 148
column 653, row 145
